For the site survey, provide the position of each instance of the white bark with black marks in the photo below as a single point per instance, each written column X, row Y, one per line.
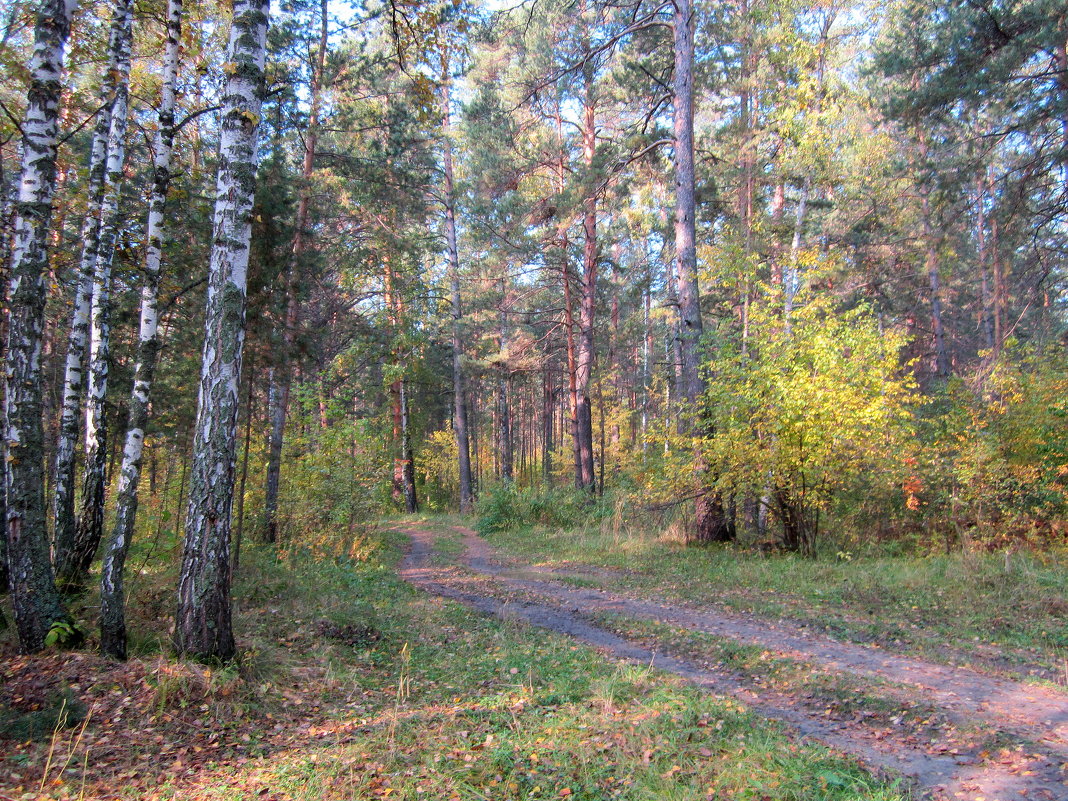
column 94, row 481
column 112, row 598
column 63, row 517
column 203, row 625
column 36, row 602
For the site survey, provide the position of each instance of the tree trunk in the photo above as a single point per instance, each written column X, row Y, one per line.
column 64, row 520
column 239, row 515
column 34, row 599
column 792, row 278
column 411, row 501
column 711, row 523
column 459, row 401
column 202, row 622
column 546, row 423
column 276, row 413
column 94, row 481
column 584, row 355
column 282, row 375
column 1000, row 291
column 986, row 318
column 931, row 265
column 112, row 597
column 504, row 410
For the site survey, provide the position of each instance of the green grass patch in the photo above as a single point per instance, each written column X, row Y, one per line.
column 1003, row 611
column 441, row 703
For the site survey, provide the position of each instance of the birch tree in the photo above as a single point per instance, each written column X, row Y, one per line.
column 112, row 598
column 94, row 483
column 63, row 517
column 203, row 625
column 34, row 599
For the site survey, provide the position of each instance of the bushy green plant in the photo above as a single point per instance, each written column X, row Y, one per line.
column 505, row 506
column 813, row 408
column 995, row 466
column 335, row 477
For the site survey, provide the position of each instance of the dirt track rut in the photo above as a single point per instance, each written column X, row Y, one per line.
column 1033, row 718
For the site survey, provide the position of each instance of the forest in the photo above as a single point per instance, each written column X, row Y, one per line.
column 341, row 332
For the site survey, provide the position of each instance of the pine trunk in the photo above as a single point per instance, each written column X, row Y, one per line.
column 34, row 599
column 931, row 265
column 584, row 478
column 112, row 597
column 276, row 413
column 459, row 401
column 711, row 521
column 284, row 375
column 203, row 625
column 411, row 500
column 504, row 406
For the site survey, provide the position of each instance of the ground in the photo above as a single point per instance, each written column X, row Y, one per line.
column 415, row 661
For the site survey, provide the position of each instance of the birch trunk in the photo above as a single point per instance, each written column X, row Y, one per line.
column 986, row 321
column 711, row 522
column 203, row 625
column 94, row 484
column 112, row 598
column 459, row 400
column 300, row 245
column 34, row 599
column 65, row 522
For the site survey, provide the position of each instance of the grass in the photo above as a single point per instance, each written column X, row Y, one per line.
column 441, row 703
column 1008, row 612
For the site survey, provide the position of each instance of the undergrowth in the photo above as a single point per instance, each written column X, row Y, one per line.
column 352, row 684
column 1007, row 609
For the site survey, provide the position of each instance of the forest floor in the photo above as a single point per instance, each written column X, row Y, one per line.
column 361, row 677
column 953, row 731
column 352, row 683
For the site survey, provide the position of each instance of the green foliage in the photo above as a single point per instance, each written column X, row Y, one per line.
column 335, row 476
column 995, row 461
column 64, row 634
column 62, row 711
column 808, row 412
column 506, row 506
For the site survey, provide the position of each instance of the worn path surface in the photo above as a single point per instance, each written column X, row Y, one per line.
column 1028, row 724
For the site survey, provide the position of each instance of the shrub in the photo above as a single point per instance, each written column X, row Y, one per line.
column 505, row 506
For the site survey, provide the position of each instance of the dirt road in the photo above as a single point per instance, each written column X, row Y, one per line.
column 991, row 739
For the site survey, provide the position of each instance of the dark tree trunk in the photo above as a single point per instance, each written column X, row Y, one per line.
column 584, row 356
column 459, row 400
column 711, row 523
column 282, row 376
